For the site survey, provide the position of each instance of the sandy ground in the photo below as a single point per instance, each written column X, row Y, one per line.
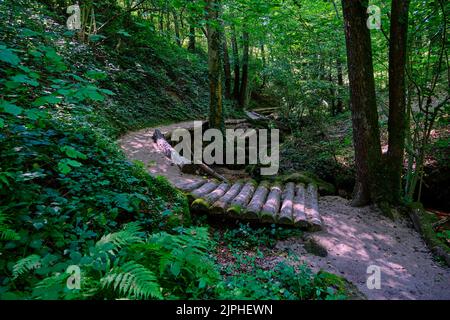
column 354, row 238
column 139, row 145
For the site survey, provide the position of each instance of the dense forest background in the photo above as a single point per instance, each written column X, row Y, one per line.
column 366, row 112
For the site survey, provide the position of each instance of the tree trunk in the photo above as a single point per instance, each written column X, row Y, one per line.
column 366, row 136
column 332, row 92
column 191, row 44
column 167, row 12
column 226, row 67
column 177, row 27
column 264, row 65
column 397, row 97
column 236, row 64
column 244, row 79
column 214, row 67
column 161, row 23
column 340, row 104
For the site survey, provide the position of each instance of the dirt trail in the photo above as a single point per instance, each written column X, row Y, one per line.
column 354, row 237
column 139, row 145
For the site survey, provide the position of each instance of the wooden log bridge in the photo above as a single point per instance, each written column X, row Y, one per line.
column 291, row 204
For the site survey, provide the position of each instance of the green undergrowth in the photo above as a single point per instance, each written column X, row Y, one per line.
column 245, row 254
column 246, row 237
column 64, row 185
column 323, row 148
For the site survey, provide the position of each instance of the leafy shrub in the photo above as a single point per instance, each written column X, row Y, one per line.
column 63, row 182
column 282, row 282
column 124, row 264
column 244, row 236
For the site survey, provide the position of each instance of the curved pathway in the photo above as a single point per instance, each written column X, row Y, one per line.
column 354, row 238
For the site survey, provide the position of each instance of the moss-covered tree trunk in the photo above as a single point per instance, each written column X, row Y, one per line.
column 236, row 64
column 176, row 27
column 397, row 97
column 191, row 43
column 214, row 65
column 366, row 136
column 244, row 79
column 264, row 65
column 226, row 66
column 340, row 83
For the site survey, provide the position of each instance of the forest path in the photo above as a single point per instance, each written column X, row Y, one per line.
column 139, row 145
column 353, row 237
column 356, row 238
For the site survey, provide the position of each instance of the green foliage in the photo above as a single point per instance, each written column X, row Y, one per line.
column 247, row 237
column 284, row 281
column 182, row 262
column 26, row 265
column 132, row 279
column 6, row 233
column 125, row 264
column 63, row 182
column 325, row 153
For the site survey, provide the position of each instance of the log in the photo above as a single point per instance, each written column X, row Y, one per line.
column 190, row 185
column 256, row 203
column 220, row 205
column 203, row 190
column 239, row 203
column 285, row 216
column 255, row 116
column 217, row 193
column 183, row 163
column 235, row 121
column 312, row 208
column 204, row 203
column 272, row 206
column 299, row 214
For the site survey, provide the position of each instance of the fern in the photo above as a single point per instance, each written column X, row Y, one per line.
column 6, row 233
column 26, row 264
column 183, row 261
column 113, row 242
column 132, row 280
column 50, row 288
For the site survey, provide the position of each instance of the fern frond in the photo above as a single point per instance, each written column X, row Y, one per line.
column 6, row 233
column 26, row 264
column 50, row 288
column 113, row 242
column 132, row 280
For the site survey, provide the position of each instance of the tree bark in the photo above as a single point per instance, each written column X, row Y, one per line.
column 191, row 43
column 272, row 206
column 236, row 64
column 340, row 78
column 397, row 97
column 264, row 64
column 244, row 79
column 366, row 136
column 177, row 27
column 287, row 204
column 161, row 23
column 214, row 66
column 226, row 67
